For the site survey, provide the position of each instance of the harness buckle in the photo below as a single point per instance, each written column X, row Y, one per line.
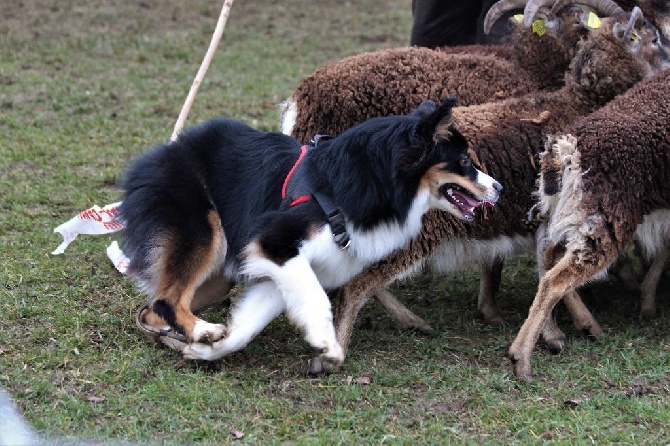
column 339, row 229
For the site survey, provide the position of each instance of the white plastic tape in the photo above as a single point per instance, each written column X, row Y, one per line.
column 118, row 258
column 95, row 220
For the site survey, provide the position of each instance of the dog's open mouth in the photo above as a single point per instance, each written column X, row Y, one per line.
column 462, row 200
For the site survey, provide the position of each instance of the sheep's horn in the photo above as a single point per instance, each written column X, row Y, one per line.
column 605, row 8
column 635, row 15
column 530, row 11
column 498, row 9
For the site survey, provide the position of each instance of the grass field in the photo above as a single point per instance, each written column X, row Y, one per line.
column 86, row 86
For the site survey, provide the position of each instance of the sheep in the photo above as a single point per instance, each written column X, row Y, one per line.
column 337, row 99
column 393, row 81
column 652, row 239
column 604, row 180
column 656, row 11
column 505, row 138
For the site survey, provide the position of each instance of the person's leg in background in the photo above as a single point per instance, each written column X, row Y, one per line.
column 444, row 22
column 500, row 28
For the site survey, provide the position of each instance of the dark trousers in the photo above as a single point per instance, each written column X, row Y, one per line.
column 454, row 22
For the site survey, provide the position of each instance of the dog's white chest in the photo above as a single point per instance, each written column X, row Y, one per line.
column 334, row 266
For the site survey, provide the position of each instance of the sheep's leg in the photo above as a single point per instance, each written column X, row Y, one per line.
column 402, row 315
column 489, row 284
column 553, row 336
column 214, row 292
column 650, row 282
column 582, row 319
column 581, row 316
column 623, row 270
column 563, row 277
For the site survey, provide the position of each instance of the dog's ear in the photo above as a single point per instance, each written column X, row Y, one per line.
column 436, row 125
column 425, row 108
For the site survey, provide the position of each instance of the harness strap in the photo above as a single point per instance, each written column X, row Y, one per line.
column 335, row 219
column 297, row 183
column 302, row 198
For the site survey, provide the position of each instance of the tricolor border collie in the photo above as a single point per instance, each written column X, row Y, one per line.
column 228, row 203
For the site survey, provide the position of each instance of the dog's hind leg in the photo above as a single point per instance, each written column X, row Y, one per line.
column 260, row 304
column 180, row 268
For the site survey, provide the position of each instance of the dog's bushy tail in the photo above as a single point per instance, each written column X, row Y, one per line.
column 164, row 198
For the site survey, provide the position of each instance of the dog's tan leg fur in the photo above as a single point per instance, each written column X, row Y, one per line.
column 178, row 282
column 213, row 292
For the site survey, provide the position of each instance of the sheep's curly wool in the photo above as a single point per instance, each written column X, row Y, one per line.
column 390, row 82
column 394, row 81
column 506, row 138
column 624, row 159
column 600, row 178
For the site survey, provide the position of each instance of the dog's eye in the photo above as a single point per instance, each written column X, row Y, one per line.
column 466, row 162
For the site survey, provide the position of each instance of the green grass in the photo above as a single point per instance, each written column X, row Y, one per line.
column 86, row 86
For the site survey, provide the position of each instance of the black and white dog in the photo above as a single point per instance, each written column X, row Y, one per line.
column 228, row 202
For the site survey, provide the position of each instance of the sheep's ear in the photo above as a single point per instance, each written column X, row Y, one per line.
column 436, row 125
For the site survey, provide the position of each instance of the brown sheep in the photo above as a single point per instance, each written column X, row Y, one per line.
column 656, row 11
column 394, row 81
column 506, row 137
column 337, row 98
column 601, row 177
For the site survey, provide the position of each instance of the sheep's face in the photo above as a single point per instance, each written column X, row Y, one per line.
column 644, row 41
column 623, row 51
column 447, row 172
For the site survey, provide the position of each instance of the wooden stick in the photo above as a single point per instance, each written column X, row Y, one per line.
column 218, row 32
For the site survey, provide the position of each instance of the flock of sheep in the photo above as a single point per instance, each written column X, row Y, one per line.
column 579, row 137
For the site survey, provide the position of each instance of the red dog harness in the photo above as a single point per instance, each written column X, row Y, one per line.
column 296, row 189
column 301, row 198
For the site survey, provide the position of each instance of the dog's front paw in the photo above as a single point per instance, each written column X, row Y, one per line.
column 207, row 333
column 327, row 361
column 203, row 352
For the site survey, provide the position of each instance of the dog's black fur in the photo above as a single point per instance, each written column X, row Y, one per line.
column 211, row 201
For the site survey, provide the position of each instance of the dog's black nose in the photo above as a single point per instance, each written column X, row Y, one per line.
column 497, row 186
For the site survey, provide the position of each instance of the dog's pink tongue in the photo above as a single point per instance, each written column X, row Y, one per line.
column 467, row 199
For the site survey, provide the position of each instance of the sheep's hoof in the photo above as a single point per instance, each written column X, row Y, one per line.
column 425, row 330
column 554, row 338
column 520, row 365
column 556, row 345
column 523, row 371
column 318, row 366
column 491, row 317
column 593, row 332
column 648, row 313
